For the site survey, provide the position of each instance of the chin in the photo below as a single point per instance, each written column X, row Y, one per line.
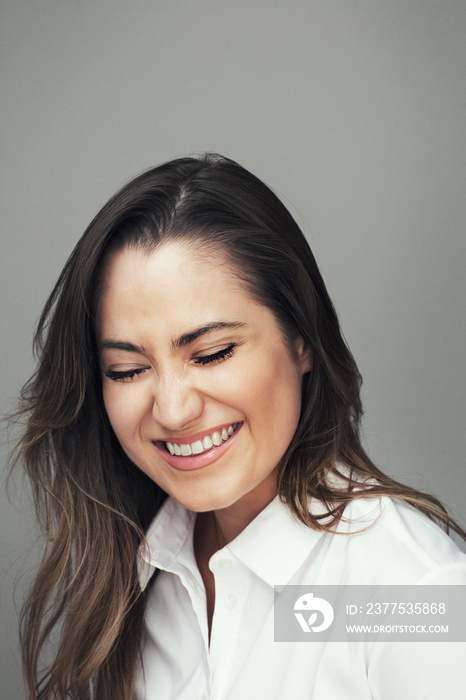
column 203, row 503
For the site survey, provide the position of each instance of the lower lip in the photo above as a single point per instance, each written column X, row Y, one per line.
column 193, row 462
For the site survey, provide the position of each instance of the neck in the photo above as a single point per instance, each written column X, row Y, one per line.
column 218, row 527
column 229, row 522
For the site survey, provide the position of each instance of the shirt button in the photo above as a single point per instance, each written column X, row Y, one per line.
column 225, row 563
column 230, row 601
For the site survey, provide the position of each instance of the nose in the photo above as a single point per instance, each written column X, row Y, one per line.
column 176, row 403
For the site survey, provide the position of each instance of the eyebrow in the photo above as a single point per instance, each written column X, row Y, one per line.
column 190, row 337
column 182, row 341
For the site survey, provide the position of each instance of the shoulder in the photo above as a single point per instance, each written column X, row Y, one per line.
column 388, row 539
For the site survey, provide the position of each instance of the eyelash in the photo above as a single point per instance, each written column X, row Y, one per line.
column 128, row 375
column 216, row 356
column 123, row 376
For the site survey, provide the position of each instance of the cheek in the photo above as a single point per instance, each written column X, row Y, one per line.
column 125, row 409
column 114, row 411
column 271, row 395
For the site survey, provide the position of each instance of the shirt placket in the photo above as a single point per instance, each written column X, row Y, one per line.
column 232, row 583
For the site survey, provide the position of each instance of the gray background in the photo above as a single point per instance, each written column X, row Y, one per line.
column 352, row 110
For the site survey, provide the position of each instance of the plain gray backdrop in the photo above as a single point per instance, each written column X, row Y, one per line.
column 352, row 110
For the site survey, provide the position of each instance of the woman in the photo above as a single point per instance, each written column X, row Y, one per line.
column 192, row 442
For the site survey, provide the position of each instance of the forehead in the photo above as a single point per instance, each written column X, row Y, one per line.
column 167, row 287
column 168, row 269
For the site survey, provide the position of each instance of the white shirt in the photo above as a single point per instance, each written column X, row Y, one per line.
column 243, row 661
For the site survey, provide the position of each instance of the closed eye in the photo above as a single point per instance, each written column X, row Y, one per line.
column 216, row 356
column 128, row 375
column 125, row 376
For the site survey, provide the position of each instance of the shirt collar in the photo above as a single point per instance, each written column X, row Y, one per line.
column 273, row 546
column 169, row 541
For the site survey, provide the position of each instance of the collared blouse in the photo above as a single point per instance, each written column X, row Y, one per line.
column 381, row 541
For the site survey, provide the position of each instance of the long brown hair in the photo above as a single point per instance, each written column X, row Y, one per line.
column 93, row 503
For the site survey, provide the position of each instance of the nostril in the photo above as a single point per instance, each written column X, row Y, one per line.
column 175, row 408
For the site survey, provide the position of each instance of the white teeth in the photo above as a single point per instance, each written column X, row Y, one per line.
column 199, row 446
column 207, row 443
column 216, row 438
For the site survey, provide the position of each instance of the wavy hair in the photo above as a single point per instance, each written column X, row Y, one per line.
column 93, row 503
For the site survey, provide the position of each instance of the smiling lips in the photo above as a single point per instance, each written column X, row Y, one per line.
column 206, row 449
column 217, row 438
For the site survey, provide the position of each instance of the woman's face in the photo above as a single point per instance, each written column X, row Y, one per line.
column 198, row 382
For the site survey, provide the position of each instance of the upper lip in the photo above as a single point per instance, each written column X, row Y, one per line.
column 188, row 439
